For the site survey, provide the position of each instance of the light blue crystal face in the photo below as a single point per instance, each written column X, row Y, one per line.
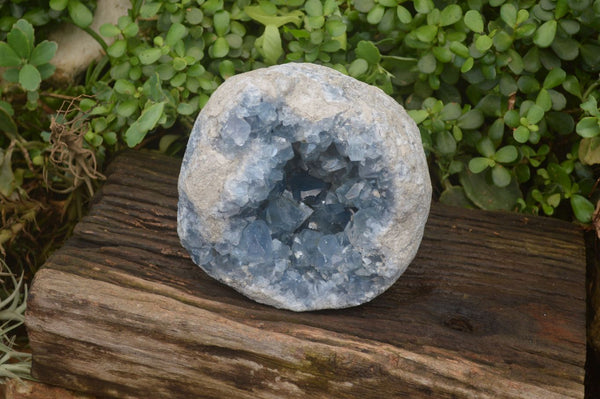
column 304, row 208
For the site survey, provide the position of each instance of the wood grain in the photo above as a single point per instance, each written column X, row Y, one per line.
column 492, row 307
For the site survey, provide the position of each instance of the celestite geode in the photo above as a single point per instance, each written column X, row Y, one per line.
column 303, row 188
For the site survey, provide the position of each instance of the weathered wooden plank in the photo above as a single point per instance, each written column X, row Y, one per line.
column 492, row 307
column 21, row 389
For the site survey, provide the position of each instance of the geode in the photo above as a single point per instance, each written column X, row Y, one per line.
column 303, row 188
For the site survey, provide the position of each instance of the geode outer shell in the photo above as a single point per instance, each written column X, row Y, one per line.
column 303, row 188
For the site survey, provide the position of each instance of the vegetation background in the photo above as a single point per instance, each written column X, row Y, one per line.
column 505, row 93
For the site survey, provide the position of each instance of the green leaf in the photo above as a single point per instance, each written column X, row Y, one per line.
column 582, row 208
column 427, row 63
column 455, row 196
column 194, row 16
column 226, row 69
column 588, row 127
column 474, row 21
column 7, row 124
column 363, row 5
column 544, row 35
column 451, row 111
column 259, row 15
column 7, row 177
column 554, row 78
column 487, row 195
column 516, row 63
column 544, row 100
column 589, row 150
column 508, row 13
column 166, row 141
column 506, row 154
column 562, row 7
column 314, row 8
column 125, row 87
column 467, row 65
column 471, row 120
column 150, row 55
column 535, row 114
column 117, row 49
column 403, row 15
column 29, row 77
column 560, row 122
column 109, row 30
column 424, row 6
column 8, row 57
column 591, row 106
column 43, row 53
column 176, row 32
column 358, row 67
column 220, row 48
column 146, row 122
column 80, row 14
column 566, row 48
column 368, row 51
column 58, row 5
column 418, row 115
column 590, row 53
column 221, row 22
column 501, row 176
column 521, row 134
column 272, row 44
column 528, row 84
column 442, row 54
column 496, row 130
column 46, row 70
column 502, row 41
column 451, row 14
column 131, row 30
column 483, row 43
column 571, row 85
column 150, row 9
column 153, row 88
column 459, row 49
column 127, row 108
column 426, row 33
column 485, row 147
column 20, row 41
column 375, row 15
column 560, row 176
column 335, row 28
column 479, row 164
column 511, row 118
column 445, row 143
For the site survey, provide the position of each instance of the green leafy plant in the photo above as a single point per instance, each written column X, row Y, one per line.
column 80, row 14
column 28, row 64
column 492, row 84
column 13, row 294
column 44, row 15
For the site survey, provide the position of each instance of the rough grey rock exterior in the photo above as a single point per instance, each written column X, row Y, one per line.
column 237, row 164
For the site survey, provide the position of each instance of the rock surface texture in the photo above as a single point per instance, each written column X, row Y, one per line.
column 303, row 188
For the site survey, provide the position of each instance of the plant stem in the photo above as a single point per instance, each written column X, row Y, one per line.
column 589, row 90
column 97, row 37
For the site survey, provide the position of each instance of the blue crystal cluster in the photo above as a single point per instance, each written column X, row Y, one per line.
column 305, row 204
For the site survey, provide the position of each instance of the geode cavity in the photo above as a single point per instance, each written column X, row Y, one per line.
column 303, row 188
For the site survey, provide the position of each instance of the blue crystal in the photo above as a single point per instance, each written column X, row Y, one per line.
column 305, row 187
column 255, row 245
column 284, row 214
column 330, row 218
